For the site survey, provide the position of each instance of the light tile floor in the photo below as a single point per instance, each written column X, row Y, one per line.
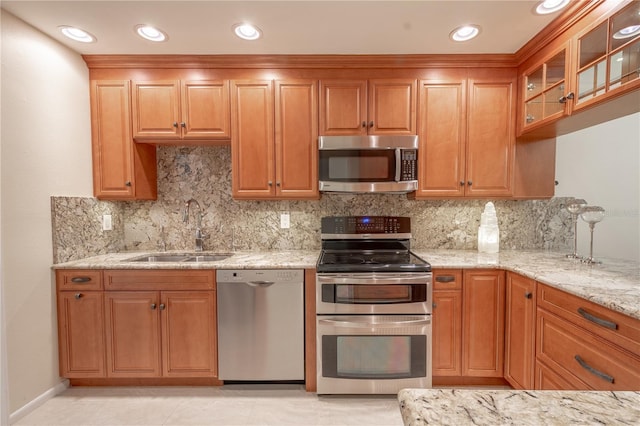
column 226, row 405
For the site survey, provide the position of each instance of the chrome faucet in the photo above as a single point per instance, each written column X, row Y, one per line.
column 185, row 219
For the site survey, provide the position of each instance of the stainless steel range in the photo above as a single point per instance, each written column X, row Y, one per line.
column 373, row 303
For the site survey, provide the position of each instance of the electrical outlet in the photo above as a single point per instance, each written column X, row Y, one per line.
column 106, row 222
column 284, row 221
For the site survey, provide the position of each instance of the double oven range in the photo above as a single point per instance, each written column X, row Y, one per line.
column 373, row 302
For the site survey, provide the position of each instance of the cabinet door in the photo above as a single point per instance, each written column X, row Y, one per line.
column 343, row 107
column 442, row 136
column 520, row 328
column 392, row 107
column 188, row 333
column 296, row 139
column 133, row 334
column 156, row 110
column 490, row 133
column 447, row 322
column 121, row 170
column 252, row 147
column 483, row 323
column 205, row 110
column 81, row 334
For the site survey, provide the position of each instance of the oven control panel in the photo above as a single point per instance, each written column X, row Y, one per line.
column 366, row 225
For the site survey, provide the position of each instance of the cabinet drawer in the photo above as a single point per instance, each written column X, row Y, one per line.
column 575, row 352
column 547, row 379
column 79, row 279
column 159, row 280
column 618, row 328
column 447, row 279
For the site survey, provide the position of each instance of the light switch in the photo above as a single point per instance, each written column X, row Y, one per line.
column 284, row 221
column 106, row 222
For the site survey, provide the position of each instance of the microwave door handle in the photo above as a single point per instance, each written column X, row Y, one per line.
column 398, row 163
column 364, row 323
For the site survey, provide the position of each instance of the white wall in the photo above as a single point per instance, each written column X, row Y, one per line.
column 602, row 165
column 46, row 150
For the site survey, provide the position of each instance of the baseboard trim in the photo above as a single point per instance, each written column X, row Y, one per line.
column 38, row 401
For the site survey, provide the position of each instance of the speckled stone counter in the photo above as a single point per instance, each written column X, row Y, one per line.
column 512, row 407
column 614, row 284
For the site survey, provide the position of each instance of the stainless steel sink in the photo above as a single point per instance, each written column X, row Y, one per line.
column 179, row 257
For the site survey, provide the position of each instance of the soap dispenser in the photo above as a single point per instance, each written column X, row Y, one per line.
column 488, row 233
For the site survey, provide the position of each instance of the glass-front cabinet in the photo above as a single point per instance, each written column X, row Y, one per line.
column 609, row 55
column 545, row 89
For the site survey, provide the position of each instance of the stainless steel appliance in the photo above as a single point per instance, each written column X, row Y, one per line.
column 373, row 302
column 368, row 163
column 260, row 325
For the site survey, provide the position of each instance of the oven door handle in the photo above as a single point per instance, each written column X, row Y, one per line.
column 368, row 324
column 389, row 278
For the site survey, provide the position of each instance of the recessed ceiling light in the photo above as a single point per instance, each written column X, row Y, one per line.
column 247, row 31
column 464, row 33
column 627, row 32
column 550, row 6
column 150, row 33
column 77, row 34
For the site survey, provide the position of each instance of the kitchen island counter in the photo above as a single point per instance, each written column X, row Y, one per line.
column 614, row 284
column 507, row 407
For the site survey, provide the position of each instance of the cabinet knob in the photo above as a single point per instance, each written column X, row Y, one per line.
column 371, row 124
column 562, row 100
column 162, row 306
column 364, row 124
column 571, row 95
column 461, row 183
column 270, row 183
column 127, row 183
column 528, row 295
column 469, row 183
column 175, row 124
column 277, row 183
column 78, row 296
column 435, row 305
column 183, row 124
column 153, row 306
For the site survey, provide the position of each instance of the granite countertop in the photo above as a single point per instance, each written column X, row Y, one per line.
column 614, row 284
column 508, row 407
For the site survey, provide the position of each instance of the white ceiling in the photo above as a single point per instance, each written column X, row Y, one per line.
column 289, row 27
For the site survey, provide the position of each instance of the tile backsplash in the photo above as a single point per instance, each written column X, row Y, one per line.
column 204, row 174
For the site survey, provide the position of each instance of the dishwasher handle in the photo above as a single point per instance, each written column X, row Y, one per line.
column 261, row 284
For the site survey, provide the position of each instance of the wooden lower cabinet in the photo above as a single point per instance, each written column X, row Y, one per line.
column 81, row 334
column 166, row 333
column 520, row 336
column 447, row 322
column 483, row 299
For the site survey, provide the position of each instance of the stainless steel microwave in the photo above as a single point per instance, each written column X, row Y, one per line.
column 387, row 164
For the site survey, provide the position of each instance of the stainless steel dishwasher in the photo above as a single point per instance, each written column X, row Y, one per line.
column 260, row 325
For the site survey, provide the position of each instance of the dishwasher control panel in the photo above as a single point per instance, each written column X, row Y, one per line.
column 248, row 275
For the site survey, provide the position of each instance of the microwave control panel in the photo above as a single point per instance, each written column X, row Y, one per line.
column 409, row 165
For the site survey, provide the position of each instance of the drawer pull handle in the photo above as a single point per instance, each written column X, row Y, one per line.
column 80, row 279
column 593, row 371
column 445, row 279
column 599, row 321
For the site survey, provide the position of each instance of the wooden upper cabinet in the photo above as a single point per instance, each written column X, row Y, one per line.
column 296, row 139
column 467, row 134
column 442, row 135
column 174, row 110
column 545, row 89
column 274, row 139
column 360, row 107
column 122, row 170
column 483, row 297
column 520, row 336
column 490, row 133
